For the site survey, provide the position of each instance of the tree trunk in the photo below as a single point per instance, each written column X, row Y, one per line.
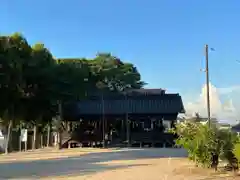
column 41, row 140
column 34, row 136
column 215, row 161
column 8, row 136
column 69, row 126
column 59, row 139
column 48, row 134
column 20, row 140
column 60, row 125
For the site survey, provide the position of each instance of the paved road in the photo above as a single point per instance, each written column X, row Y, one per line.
column 81, row 165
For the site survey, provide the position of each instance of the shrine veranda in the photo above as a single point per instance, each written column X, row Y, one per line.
column 133, row 118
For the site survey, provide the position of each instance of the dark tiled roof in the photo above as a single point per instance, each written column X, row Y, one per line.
column 154, row 102
column 128, row 92
column 145, row 91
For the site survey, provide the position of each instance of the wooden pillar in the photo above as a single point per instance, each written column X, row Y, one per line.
column 95, row 125
column 127, row 130
column 105, row 131
column 20, row 140
column 122, row 129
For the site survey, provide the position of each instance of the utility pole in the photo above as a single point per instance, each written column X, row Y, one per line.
column 207, row 85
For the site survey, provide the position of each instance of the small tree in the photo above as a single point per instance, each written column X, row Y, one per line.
column 236, row 151
column 206, row 144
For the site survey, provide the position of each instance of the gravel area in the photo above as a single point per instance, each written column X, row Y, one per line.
column 96, row 164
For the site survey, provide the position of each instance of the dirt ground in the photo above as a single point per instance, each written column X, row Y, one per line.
column 104, row 164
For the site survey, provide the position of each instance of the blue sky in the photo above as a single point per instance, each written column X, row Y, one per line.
column 163, row 38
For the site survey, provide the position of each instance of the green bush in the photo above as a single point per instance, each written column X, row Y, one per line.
column 236, row 151
column 206, row 144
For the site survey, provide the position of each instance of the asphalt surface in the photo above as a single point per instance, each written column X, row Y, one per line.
column 82, row 164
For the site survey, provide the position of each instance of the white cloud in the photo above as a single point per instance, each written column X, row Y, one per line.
column 224, row 103
column 231, row 89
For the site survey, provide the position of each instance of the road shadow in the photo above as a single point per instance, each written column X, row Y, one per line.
column 82, row 164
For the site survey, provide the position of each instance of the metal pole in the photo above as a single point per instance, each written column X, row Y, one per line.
column 207, row 85
column 103, row 121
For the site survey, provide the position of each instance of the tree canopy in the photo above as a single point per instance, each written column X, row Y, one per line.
column 32, row 81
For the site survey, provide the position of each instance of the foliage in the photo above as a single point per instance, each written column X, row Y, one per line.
column 33, row 82
column 114, row 74
column 205, row 144
column 236, row 151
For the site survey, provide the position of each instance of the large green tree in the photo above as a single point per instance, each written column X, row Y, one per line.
column 37, row 74
column 15, row 52
column 34, row 86
column 114, row 74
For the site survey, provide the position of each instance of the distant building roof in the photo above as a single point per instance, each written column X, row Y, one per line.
column 236, row 128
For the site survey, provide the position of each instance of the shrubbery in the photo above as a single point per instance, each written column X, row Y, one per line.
column 207, row 144
column 236, row 151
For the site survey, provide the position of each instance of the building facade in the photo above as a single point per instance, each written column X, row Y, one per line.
column 132, row 117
